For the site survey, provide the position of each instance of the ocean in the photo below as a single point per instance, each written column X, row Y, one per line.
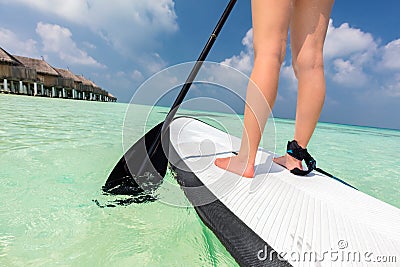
column 56, row 154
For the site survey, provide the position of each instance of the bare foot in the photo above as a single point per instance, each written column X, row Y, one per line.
column 236, row 165
column 288, row 162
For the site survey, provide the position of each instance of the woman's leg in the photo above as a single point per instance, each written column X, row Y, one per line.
column 307, row 35
column 271, row 21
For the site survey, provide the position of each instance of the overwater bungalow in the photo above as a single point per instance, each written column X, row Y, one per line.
column 30, row 76
column 71, row 84
column 14, row 76
column 111, row 98
column 83, row 88
column 47, row 77
column 95, row 93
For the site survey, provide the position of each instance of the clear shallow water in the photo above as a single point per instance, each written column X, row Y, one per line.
column 56, row 154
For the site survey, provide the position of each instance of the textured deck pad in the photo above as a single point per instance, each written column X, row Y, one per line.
column 311, row 221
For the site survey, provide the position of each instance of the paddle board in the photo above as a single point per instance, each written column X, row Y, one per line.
column 277, row 218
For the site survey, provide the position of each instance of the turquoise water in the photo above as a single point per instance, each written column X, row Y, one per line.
column 56, row 154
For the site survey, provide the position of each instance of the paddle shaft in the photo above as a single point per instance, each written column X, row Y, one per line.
column 200, row 60
column 195, row 70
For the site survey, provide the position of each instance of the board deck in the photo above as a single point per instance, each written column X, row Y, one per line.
column 306, row 219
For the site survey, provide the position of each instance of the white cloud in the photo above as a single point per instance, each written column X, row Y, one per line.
column 131, row 27
column 58, row 40
column 391, row 55
column 358, row 60
column 213, row 79
column 152, row 62
column 345, row 41
column 132, row 31
column 353, row 58
column 89, row 45
column 350, row 55
column 287, row 74
column 243, row 61
column 137, row 76
column 392, row 87
column 226, row 76
column 348, row 74
column 10, row 42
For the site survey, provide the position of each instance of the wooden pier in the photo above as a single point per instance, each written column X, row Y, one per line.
column 35, row 77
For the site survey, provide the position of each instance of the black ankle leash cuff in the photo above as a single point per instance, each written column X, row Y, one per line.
column 299, row 153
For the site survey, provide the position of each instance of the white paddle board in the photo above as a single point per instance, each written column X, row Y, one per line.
column 277, row 218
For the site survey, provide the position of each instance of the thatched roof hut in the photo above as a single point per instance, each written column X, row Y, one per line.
column 46, row 74
column 41, row 66
column 68, row 79
column 87, row 85
column 67, row 74
column 90, row 86
column 110, row 96
column 12, row 68
column 6, row 58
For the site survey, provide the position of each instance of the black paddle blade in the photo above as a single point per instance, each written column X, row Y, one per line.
column 142, row 168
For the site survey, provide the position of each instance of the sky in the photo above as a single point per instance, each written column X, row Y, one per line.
column 120, row 45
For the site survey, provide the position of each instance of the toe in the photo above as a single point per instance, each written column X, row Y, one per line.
column 222, row 162
column 278, row 159
column 218, row 162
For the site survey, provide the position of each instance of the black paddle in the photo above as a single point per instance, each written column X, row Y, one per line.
column 142, row 168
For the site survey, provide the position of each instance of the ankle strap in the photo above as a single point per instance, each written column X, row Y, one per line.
column 299, row 153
